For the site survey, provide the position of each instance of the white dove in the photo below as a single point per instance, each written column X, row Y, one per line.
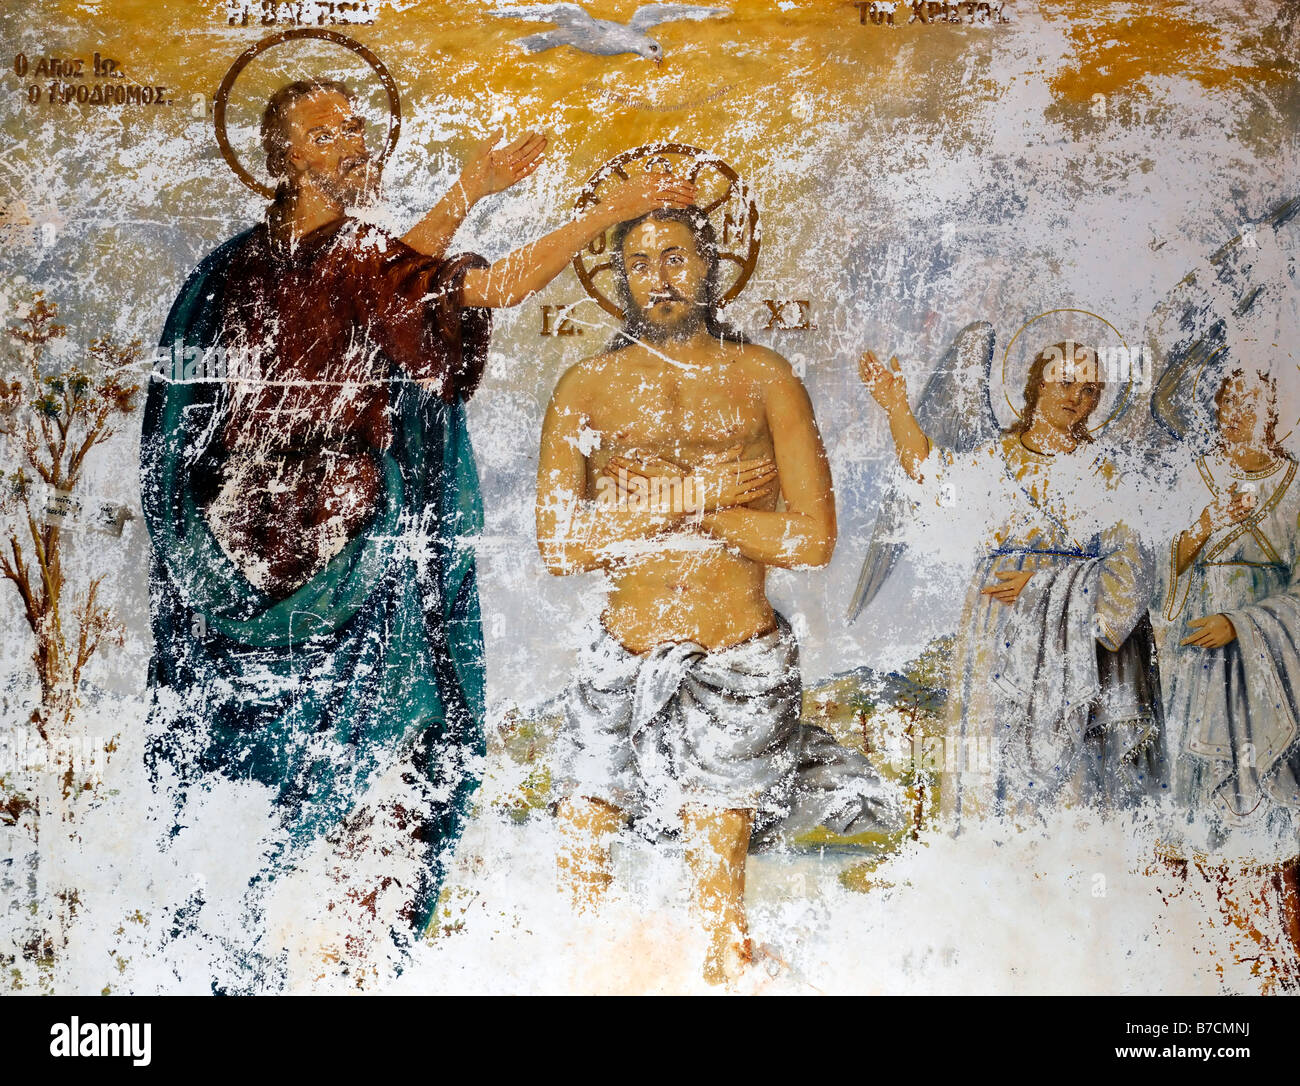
column 603, row 37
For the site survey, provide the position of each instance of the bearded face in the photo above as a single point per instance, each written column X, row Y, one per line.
column 327, row 144
column 667, row 281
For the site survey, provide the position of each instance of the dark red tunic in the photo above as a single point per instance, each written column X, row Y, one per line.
column 317, row 340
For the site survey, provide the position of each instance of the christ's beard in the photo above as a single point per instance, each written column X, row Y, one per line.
column 640, row 327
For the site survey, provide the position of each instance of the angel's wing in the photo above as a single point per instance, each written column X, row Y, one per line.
column 883, row 553
column 648, row 15
column 955, row 412
column 1191, row 324
column 565, row 15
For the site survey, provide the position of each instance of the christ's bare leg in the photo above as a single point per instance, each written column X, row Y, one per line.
column 716, row 845
column 727, row 422
column 587, row 826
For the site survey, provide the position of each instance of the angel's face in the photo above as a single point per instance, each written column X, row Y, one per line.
column 1246, row 409
column 1070, row 387
column 1063, row 404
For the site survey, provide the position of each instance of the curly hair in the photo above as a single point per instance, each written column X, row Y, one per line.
column 1270, row 422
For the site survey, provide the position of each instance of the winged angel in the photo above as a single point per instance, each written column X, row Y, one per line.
column 1054, row 693
column 1232, row 573
column 1054, row 690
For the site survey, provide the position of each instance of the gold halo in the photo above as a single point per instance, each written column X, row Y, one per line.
column 1120, row 405
column 744, row 254
column 243, row 60
column 1293, row 426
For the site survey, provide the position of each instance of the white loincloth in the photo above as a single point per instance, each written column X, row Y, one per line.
column 649, row 733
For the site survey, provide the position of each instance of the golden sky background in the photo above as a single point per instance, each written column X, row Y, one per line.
column 762, row 66
column 910, row 180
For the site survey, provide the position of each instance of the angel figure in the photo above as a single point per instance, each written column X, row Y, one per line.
column 1232, row 583
column 1234, row 602
column 1054, row 691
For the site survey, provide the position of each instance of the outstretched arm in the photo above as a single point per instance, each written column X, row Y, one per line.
column 525, row 271
column 487, row 171
column 803, row 534
column 888, row 389
column 575, row 532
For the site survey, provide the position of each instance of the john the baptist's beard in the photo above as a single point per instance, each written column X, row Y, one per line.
column 355, row 183
column 680, row 322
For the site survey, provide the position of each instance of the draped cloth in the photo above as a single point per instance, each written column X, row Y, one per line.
column 650, row 732
column 376, row 660
column 1067, row 703
column 1056, row 699
column 1237, row 707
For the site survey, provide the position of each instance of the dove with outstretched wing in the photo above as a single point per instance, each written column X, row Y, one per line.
column 602, row 37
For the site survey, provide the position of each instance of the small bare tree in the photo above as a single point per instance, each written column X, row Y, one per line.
column 56, row 416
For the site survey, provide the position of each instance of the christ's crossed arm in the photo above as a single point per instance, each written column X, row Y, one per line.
column 803, row 533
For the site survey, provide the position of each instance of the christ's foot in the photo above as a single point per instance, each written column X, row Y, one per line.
column 728, row 957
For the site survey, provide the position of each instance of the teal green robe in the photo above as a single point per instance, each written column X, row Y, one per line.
column 378, row 658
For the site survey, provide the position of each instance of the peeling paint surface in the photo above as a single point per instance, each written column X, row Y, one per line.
column 962, row 195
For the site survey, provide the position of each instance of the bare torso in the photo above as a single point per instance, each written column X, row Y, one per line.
column 733, row 424
column 682, row 585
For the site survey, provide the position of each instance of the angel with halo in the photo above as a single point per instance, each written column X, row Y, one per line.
column 1054, row 690
column 1233, row 604
column 1231, row 601
column 1232, row 580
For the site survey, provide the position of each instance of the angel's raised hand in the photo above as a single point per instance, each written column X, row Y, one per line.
column 885, row 383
